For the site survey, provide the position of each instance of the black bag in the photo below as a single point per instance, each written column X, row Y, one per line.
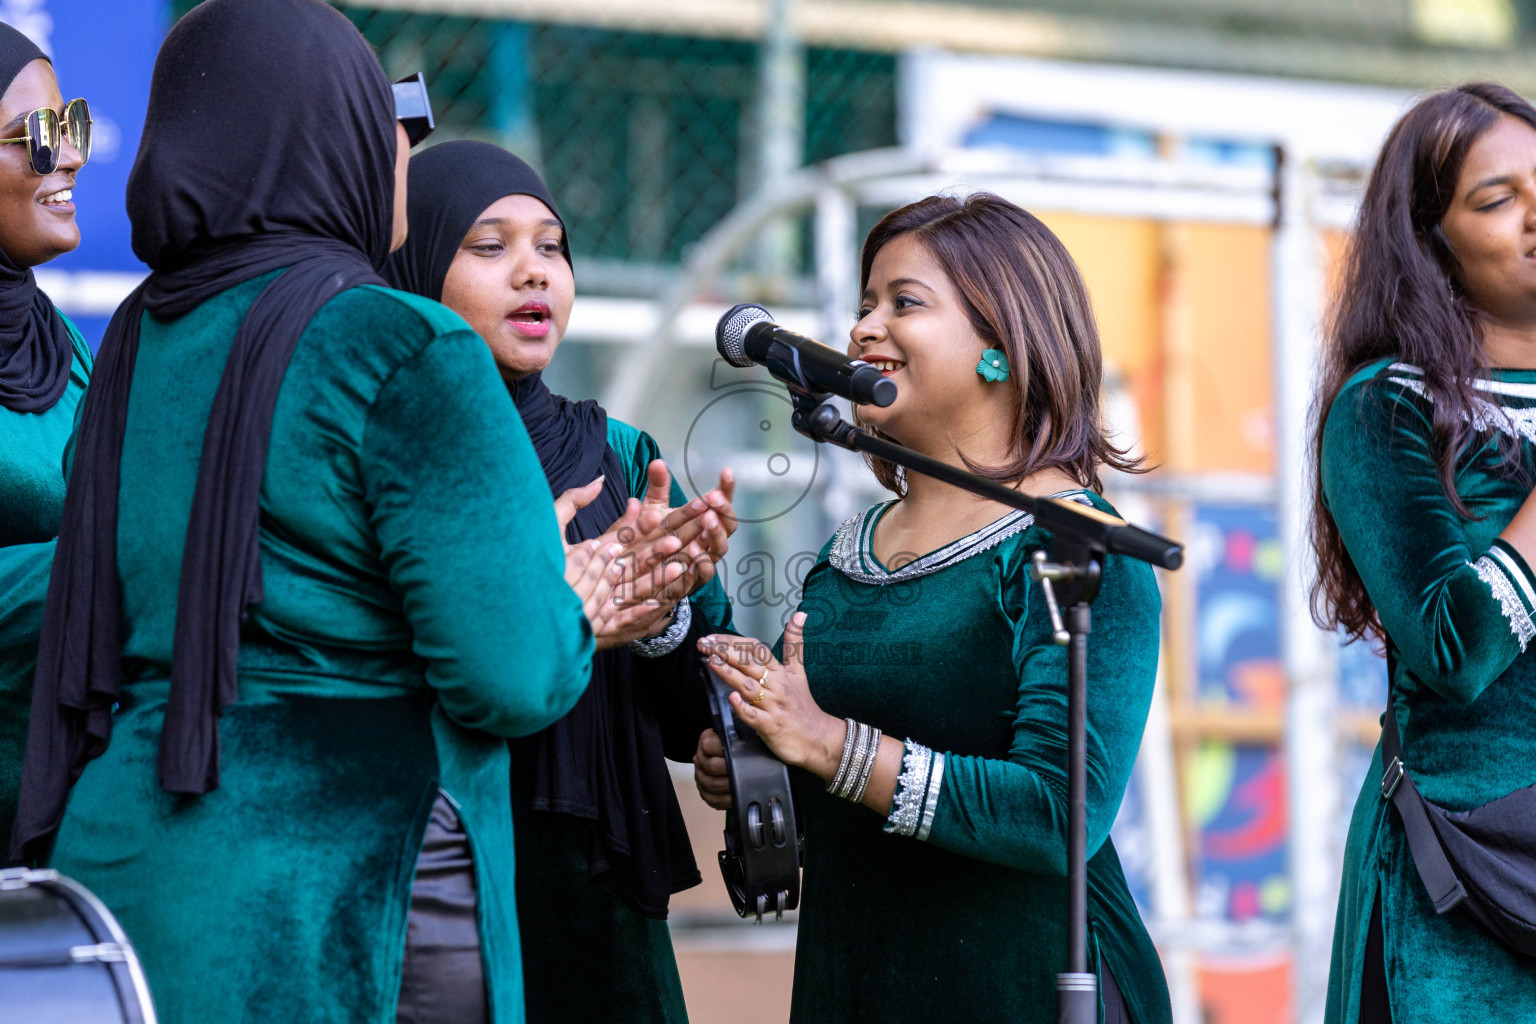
column 1483, row 859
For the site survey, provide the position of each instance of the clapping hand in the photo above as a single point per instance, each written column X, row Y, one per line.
column 665, row 553
column 590, row 566
column 704, row 525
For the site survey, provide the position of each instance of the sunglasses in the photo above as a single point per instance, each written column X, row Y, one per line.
column 45, row 135
column 413, row 107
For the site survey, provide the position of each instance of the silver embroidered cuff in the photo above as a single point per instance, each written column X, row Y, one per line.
column 1495, row 569
column 931, row 801
column 668, row 641
column 911, row 790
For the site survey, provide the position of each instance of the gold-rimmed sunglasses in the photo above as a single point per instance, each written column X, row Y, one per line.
column 46, row 134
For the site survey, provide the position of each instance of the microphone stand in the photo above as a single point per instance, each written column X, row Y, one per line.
column 1081, row 537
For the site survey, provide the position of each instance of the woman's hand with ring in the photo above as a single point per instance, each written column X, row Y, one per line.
column 774, row 698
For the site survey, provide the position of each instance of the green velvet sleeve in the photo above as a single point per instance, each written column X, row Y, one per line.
column 1457, row 616
column 469, row 539
column 24, row 570
column 1013, row 811
column 637, row 450
column 85, row 364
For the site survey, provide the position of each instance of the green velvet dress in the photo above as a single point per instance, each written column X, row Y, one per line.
column 31, row 502
column 32, row 457
column 587, row 955
column 415, row 614
column 966, row 919
column 1457, row 606
column 24, row 572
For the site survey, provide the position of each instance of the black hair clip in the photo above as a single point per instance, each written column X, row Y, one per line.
column 413, row 107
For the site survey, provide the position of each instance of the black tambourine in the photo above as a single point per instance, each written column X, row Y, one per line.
column 761, row 859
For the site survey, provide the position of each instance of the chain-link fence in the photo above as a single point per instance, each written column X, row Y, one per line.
column 652, row 138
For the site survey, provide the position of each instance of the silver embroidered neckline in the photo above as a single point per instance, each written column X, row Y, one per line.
column 854, row 537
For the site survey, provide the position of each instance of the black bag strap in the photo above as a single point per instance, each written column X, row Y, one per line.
column 1435, row 871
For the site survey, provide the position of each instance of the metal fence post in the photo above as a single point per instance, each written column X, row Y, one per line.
column 1311, row 739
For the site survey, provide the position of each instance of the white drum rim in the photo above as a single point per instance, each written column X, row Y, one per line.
column 78, row 894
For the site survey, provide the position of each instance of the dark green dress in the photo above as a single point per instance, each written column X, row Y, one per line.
column 965, row 920
column 31, row 502
column 415, row 613
column 32, row 457
column 1457, row 606
column 24, row 572
column 587, row 955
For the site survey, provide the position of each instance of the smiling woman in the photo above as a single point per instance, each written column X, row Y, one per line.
column 1425, row 531
column 44, row 369
column 949, row 902
column 44, row 366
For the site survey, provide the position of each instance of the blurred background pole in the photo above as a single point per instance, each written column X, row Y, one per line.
column 511, row 114
column 1311, row 738
column 781, row 150
column 782, row 140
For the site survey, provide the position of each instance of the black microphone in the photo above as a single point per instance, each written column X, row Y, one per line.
column 746, row 334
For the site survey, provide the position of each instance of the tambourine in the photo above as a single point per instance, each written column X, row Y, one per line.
column 761, row 859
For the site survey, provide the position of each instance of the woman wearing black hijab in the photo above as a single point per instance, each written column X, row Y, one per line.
column 600, row 838
column 44, row 368
column 305, row 586
column 44, row 364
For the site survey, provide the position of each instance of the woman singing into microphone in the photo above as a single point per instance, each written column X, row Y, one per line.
column 44, row 365
column 922, row 696
column 1425, row 531
column 600, row 839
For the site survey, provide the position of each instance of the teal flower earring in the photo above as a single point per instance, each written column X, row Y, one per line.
column 993, row 366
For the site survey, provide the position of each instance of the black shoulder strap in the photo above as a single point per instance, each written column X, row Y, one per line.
column 1435, row 871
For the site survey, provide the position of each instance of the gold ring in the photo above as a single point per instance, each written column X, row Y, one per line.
column 760, row 694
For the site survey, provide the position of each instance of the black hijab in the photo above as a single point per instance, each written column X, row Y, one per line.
column 269, row 143
column 35, row 348
column 603, row 762
column 451, row 184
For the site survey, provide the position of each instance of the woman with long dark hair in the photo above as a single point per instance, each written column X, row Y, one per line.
column 601, row 844
column 44, row 364
column 1425, row 530
column 309, row 576
column 949, row 901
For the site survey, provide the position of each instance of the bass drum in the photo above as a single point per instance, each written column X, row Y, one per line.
column 63, row 957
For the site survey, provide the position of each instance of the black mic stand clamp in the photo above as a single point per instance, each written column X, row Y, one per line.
column 818, row 419
column 1069, row 578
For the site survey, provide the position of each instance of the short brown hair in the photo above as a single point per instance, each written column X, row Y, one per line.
column 1023, row 294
